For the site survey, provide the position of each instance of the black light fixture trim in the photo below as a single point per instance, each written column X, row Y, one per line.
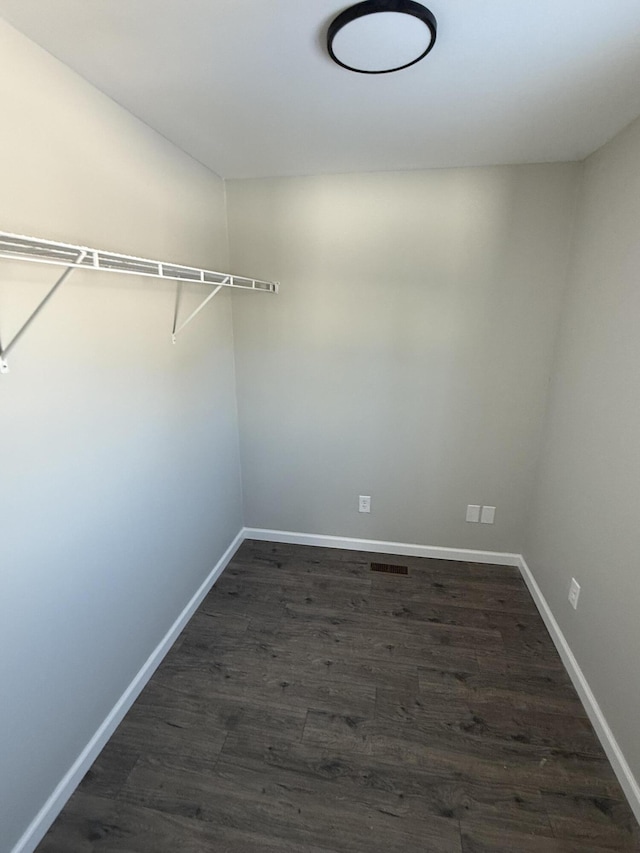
column 370, row 7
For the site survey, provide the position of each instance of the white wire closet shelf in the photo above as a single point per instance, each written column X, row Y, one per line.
column 17, row 247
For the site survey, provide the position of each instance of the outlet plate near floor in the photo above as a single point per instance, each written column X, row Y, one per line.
column 574, row 593
column 473, row 512
column 488, row 515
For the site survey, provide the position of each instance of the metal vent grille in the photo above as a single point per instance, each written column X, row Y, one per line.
column 388, row 569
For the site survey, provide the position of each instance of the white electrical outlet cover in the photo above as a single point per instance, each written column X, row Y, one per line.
column 488, row 515
column 574, row 593
column 473, row 512
column 364, row 503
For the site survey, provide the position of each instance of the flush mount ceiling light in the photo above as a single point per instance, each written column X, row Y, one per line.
column 380, row 36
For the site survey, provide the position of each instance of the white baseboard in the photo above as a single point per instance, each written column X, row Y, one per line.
column 380, row 547
column 622, row 770
column 54, row 805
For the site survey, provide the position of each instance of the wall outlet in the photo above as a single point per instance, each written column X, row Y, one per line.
column 364, row 503
column 473, row 512
column 574, row 593
column 488, row 514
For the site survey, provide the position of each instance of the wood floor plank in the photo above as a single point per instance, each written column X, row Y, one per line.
column 518, row 660
column 523, row 689
column 499, row 760
column 454, row 592
column 312, row 705
column 195, row 719
column 401, row 790
column 438, row 644
column 601, row 820
column 500, row 840
column 360, row 614
column 90, row 823
column 264, row 687
column 280, row 660
column 492, row 720
column 111, row 769
column 178, row 731
column 512, row 764
column 298, row 807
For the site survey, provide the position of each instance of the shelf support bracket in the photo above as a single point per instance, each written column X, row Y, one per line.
column 177, row 329
column 4, row 367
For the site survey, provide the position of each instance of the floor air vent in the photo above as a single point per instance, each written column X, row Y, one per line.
column 389, row 569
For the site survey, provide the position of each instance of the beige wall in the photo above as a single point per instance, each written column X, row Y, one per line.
column 586, row 520
column 119, row 471
column 408, row 354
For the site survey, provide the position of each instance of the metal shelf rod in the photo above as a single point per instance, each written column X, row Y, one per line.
column 17, row 247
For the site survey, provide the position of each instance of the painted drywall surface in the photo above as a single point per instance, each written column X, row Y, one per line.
column 587, row 504
column 119, row 470
column 407, row 356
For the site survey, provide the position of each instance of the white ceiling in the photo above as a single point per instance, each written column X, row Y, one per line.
column 246, row 87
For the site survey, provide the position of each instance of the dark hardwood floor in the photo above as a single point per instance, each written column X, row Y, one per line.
column 312, row 705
